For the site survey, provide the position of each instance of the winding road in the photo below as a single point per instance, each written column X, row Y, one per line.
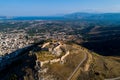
column 76, row 69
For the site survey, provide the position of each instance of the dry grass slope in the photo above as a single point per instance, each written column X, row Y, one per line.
column 63, row 71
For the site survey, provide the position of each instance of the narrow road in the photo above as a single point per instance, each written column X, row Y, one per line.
column 76, row 69
column 117, row 78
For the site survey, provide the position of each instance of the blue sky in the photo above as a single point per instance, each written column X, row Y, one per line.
column 56, row 7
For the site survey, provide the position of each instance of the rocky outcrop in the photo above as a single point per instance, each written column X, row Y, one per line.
column 57, row 51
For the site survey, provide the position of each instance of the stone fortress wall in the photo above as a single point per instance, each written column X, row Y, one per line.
column 57, row 48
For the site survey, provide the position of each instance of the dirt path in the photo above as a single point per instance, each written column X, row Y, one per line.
column 87, row 65
column 85, row 58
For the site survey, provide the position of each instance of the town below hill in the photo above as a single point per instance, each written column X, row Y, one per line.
column 69, row 49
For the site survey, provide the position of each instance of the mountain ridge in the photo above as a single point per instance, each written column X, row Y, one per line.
column 76, row 15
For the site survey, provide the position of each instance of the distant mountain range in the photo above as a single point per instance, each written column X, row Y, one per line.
column 94, row 16
column 73, row 16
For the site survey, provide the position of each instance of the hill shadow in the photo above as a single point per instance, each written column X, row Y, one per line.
column 105, row 48
column 21, row 68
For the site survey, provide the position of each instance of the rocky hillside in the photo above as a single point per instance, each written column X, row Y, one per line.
column 62, row 61
column 79, row 64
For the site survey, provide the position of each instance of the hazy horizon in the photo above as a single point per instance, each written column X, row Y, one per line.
column 56, row 7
